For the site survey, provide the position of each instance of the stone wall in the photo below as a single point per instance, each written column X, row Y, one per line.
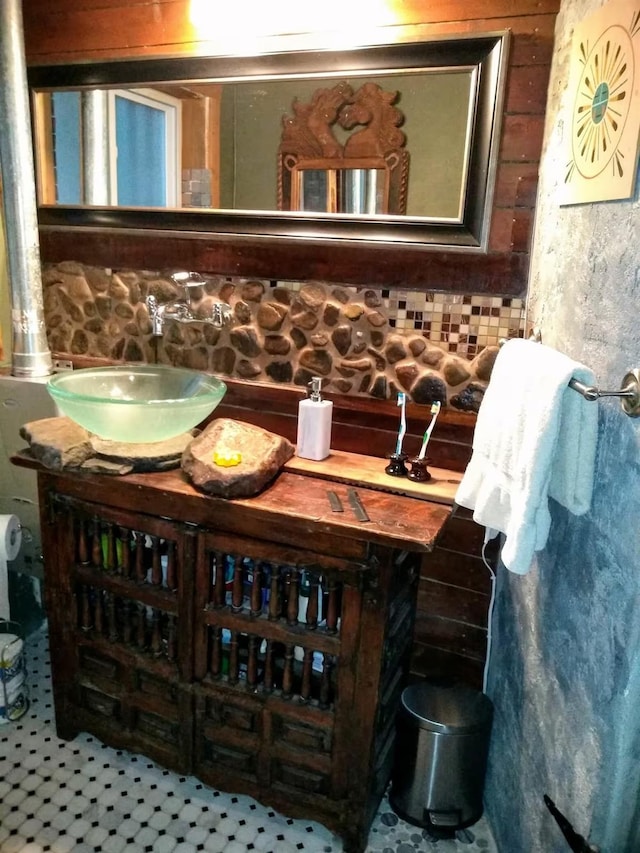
column 360, row 341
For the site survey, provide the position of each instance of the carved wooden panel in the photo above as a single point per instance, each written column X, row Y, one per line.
column 375, row 143
column 129, row 632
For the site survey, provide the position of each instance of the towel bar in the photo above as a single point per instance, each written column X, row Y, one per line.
column 629, row 391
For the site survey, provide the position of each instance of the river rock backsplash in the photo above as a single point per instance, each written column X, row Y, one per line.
column 361, row 341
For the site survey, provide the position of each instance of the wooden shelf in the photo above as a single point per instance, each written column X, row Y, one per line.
column 368, row 472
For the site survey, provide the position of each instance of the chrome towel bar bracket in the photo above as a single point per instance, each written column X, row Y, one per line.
column 629, row 392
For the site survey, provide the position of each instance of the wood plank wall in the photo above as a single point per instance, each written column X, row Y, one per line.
column 450, row 635
column 81, row 30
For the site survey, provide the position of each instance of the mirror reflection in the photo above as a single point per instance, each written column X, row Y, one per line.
column 195, row 144
column 333, row 189
column 221, row 145
column 362, row 170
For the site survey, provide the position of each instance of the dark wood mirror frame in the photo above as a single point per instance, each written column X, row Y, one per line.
column 389, row 251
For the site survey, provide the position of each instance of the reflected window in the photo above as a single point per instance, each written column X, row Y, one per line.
column 66, row 146
column 141, row 161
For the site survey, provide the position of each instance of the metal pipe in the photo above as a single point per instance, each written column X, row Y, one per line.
column 30, row 352
column 95, row 148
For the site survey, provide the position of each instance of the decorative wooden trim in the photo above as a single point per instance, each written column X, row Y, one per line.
column 268, row 258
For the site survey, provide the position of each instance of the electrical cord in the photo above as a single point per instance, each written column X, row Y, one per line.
column 489, row 617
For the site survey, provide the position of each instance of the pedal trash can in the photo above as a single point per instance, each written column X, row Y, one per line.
column 442, row 743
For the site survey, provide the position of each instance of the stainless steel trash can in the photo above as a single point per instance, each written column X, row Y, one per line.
column 441, row 755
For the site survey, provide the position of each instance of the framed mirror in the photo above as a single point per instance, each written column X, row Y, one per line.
column 194, row 144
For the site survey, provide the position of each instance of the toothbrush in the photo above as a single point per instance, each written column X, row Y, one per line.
column 402, row 401
column 435, row 410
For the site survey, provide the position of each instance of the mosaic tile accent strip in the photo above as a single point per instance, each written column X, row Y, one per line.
column 84, row 797
column 461, row 323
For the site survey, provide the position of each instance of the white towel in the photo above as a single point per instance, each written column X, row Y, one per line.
column 535, row 438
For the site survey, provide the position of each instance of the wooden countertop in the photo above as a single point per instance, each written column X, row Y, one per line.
column 295, row 505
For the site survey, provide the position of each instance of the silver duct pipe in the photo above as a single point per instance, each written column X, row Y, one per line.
column 30, row 352
column 95, row 148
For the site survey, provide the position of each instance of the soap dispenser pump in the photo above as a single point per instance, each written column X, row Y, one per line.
column 314, row 424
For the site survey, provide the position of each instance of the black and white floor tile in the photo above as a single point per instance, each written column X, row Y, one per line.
column 84, row 797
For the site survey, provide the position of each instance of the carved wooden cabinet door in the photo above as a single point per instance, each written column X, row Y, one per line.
column 119, row 599
column 299, row 658
column 276, row 629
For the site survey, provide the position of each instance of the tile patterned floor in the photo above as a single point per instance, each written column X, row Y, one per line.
column 85, row 797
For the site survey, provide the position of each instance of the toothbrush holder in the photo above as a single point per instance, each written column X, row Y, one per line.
column 419, row 472
column 396, row 466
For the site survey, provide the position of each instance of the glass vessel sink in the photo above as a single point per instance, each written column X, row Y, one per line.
column 136, row 403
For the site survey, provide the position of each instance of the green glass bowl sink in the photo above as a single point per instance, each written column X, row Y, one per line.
column 136, row 403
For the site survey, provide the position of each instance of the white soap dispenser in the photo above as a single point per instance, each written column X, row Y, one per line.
column 314, row 424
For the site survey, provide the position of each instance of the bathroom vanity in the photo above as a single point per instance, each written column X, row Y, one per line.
column 260, row 644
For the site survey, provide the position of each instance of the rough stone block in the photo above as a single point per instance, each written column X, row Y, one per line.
column 262, row 455
column 57, row 442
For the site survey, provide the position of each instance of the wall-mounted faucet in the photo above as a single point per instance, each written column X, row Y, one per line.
column 181, row 310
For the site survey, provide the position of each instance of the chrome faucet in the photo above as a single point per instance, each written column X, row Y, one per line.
column 181, row 310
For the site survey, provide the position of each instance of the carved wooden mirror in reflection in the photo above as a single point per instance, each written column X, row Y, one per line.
column 343, row 152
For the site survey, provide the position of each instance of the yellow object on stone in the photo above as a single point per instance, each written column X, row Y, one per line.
column 227, row 459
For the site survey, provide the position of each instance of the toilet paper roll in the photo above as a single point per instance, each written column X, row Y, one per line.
column 10, row 541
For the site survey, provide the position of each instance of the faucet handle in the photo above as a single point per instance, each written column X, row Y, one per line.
column 188, row 279
column 221, row 314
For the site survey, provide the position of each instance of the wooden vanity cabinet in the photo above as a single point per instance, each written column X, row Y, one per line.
column 260, row 645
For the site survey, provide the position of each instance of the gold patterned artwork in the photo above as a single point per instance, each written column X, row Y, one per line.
column 604, row 123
